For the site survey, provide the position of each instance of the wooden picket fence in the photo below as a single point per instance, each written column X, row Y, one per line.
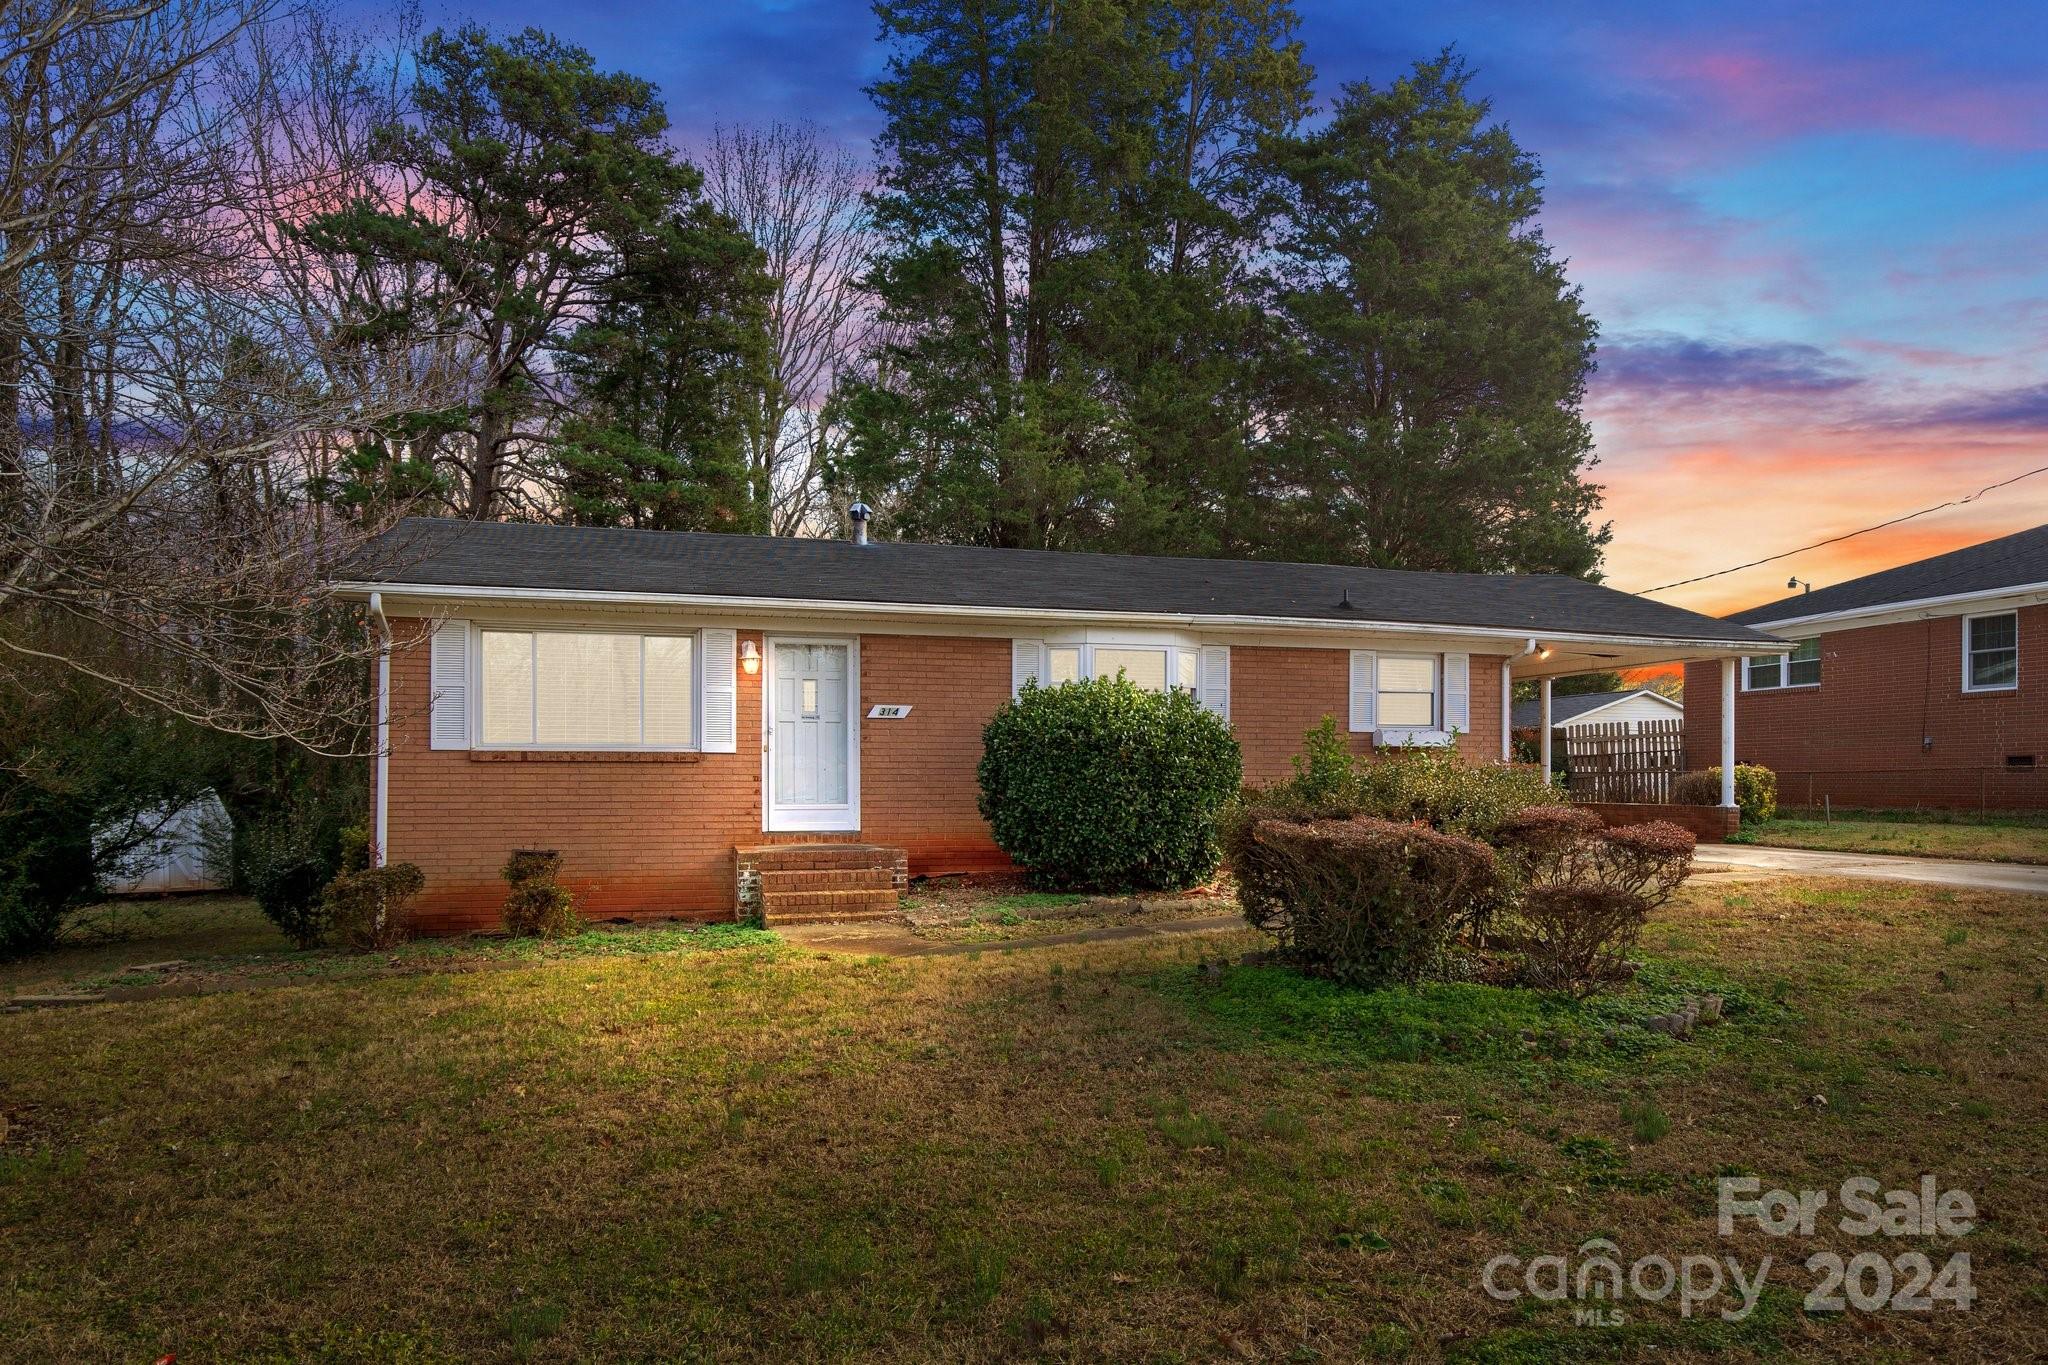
column 1612, row 763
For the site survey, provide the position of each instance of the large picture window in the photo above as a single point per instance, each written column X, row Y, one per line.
column 588, row 690
column 1991, row 652
column 1800, row 668
column 1152, row 667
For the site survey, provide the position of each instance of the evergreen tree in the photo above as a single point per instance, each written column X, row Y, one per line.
column 530, row 176
column 1072, row 195
column 663, row 378
column 1424, row 409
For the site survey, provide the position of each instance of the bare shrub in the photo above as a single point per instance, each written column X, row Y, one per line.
column 1369, row 902
column 1586, row 890
column 366, row 907
column 538, row 906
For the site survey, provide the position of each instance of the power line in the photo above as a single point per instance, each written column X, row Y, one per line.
column 1849, row 535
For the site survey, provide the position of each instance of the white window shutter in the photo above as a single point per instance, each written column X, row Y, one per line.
column 1458, row 693
column 1027, row 664
column 1216, row 679
column 721, row 691
column 448, row 676
column 1365, row 698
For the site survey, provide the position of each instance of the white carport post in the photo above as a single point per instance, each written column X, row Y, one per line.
column 1543, row 727
column 1507, row 713
column 1727, row 732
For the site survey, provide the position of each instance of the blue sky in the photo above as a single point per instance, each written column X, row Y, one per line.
column 1815, row 236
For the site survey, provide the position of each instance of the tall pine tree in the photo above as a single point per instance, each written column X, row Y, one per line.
column 1072, row 194
column 1423, row 407
column 544, row 210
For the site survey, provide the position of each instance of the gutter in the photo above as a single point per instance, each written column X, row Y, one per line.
column 377, row 856
column 1171, row 621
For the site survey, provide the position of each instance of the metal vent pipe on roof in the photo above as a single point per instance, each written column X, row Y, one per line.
column 859, row 514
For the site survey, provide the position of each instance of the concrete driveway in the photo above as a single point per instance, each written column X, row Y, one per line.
column 1755, row 860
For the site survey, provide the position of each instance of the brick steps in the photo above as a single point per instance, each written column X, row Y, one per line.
column 821, row 883
column 798, row 880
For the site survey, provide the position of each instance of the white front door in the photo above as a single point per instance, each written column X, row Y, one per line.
column 812, row 767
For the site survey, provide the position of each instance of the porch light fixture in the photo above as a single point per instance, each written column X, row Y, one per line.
column 750, row 658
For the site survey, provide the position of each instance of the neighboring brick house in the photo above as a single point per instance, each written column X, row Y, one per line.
column 696, row 721
column 1923, row 685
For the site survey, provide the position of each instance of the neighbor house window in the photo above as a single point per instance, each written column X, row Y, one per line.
column 588, row 690
column 1800, row 668
column 1407, row 691
column 1991, row 652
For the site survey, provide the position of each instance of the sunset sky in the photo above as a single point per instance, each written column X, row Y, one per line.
column 1815, row 237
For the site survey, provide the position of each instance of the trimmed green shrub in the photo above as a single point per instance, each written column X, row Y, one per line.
column 1100, row 785
column 366, row 908
column 1364, row 901
column 538, row 906
column 1756, row 790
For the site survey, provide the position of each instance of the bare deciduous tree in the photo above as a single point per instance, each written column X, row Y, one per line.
column 164, row 392
column 803, row 204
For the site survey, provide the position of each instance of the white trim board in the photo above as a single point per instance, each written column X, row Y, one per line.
column 1988, row 602
column 1045, row 618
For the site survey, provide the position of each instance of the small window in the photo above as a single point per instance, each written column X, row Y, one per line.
column 1407, row 691
column 1063, row 664
column 1991, row 652
column 1800, row 668
column 2019, row 760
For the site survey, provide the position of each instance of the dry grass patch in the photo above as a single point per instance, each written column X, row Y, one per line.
column 1064, row 1153
column 1001, row 908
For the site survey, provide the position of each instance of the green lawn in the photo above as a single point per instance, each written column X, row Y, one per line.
column 1100, row 1152
column 1999, row 836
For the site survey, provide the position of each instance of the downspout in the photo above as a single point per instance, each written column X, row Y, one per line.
column 383, row 725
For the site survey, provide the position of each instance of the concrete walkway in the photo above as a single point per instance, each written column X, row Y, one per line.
column 1755, row 859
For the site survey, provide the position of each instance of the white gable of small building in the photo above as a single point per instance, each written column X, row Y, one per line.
column 1633, row 709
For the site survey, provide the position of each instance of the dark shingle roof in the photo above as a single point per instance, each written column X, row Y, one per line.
column 448, row 553
column 2008, row 562
column 1526, row 715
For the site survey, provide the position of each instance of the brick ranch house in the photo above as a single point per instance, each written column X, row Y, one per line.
column 1910, row 687
column 709, row 724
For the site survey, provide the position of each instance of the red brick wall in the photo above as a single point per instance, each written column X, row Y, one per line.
column 918, row 789
column 1277, row 694
column 1709, row 824
column 654, row 834
column 1857, row 738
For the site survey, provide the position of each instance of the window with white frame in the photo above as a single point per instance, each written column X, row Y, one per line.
column 1799, row 668
column 1152, row 667
column 587, row 690
column 1407, row 686
column 1991, row 652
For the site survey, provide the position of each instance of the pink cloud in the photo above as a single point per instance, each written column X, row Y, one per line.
column 1787, row 95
